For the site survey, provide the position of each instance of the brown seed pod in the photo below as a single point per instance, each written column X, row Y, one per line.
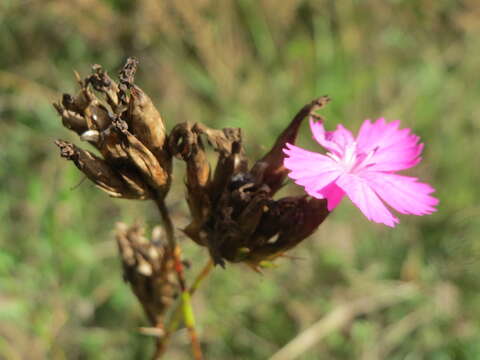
column 149, row 269
column 187, row 145
column 241, row 222
column 144, row 160
column 145, row 122
column 231, row 156
column 101, row 173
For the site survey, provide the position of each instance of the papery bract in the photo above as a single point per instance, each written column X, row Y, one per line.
column 363, row 168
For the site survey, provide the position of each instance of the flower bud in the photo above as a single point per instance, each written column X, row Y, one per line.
column 203, row 190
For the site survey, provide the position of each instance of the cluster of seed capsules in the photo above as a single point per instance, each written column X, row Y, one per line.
column 233, row 209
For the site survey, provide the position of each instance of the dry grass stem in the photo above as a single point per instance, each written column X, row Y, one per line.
column 342, row 315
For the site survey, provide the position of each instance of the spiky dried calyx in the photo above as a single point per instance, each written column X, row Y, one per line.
column 233, row 210
column 121, row 121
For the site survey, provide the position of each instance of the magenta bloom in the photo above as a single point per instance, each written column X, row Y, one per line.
column 364, row 170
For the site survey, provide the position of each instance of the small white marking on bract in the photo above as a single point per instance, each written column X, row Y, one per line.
column 90, row 135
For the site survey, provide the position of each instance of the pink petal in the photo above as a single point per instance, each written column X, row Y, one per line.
column 405, row 194
column 393, row 149
column 333, row 194
column 312, row 170
column 334, row 141
column 359, row 191
column 378, row 134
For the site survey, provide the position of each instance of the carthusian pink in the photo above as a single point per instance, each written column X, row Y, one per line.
column 364, row 168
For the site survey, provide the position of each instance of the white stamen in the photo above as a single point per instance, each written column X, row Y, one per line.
column 351, row 160
column 333, row 157
column 350, row 156
column 365, row 162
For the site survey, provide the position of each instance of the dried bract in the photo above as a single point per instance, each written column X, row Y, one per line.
column 121, row 185
column 270, row 168
column 187, row 145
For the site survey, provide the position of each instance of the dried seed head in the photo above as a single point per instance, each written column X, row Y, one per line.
column 124, row 125
column 203, row 190
column 233, row 212
column 148, row 267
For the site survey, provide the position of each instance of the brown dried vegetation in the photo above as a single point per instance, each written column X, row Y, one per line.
column 233, row 210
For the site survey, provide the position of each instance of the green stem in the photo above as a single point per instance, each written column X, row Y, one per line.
column 184, row 308
column 186, row 305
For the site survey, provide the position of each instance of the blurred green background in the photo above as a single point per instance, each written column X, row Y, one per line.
column 249, row 64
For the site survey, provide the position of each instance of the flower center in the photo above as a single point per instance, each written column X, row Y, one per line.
column 351, row 160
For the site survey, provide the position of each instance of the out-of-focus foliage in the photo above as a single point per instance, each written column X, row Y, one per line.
column 250, row 64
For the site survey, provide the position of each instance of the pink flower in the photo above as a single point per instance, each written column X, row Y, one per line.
column 364, row 170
